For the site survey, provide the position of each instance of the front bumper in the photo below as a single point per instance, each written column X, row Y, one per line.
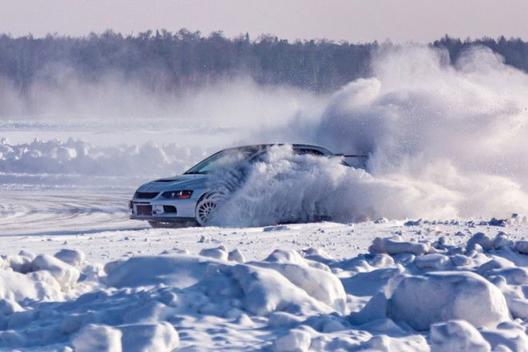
column 162, row 210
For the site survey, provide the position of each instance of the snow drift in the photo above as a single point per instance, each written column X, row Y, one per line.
column 289, row 301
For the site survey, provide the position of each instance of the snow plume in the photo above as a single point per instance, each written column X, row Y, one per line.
column 224, row 103
column 444, row 140
column 287, row 187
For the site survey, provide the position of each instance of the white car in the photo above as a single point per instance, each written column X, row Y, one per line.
column 191, row 197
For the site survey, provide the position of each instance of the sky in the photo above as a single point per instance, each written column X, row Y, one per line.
column 350, row 20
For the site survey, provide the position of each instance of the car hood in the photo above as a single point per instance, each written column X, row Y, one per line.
column 182, row 182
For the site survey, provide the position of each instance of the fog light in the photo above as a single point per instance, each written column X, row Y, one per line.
column 157, row 209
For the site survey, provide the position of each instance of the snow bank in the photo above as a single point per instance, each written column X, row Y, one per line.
column 81, row 158
column 464, row 297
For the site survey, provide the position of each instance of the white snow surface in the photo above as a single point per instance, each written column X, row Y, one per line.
column 444, row 142
column 365, row 287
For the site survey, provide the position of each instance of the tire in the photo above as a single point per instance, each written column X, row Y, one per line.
column 206, row 206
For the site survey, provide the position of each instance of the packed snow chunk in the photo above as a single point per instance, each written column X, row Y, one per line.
column 97, row 338
column 36, row 286
column 295, row 340
column 65, row 274
column 283, row 319
column 420, row 301
column 294, row 257
column 457, row 335
column 314, row 277
column 482, row 240
column 435, row 261
column 266, row 290
column 19, row 263
column 395, row 246
column 8, row 307
column 149, row 337
column 219, row 253
column 502, row 241
column 179, row 271
column 384, row 343
column 521, row 247
column 513, row 276
column 236, row 256
column 370, row 282
column 319, row 284
column 518, row 307
column 71, row 256
column 508, row 336
column 375, row 309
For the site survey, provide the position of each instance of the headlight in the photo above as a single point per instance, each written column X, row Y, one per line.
column 177, row 194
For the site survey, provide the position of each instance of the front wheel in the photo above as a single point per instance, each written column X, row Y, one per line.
column 206, row 207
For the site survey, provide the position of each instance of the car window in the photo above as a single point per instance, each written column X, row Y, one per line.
column 310, row 151
column 221, row 160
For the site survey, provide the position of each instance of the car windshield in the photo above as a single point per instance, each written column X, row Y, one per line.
column 223, row 159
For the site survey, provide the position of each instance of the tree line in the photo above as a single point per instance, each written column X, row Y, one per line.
column 163, row 60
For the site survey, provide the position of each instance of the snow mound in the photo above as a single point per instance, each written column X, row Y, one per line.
column 266, row 290
column 70, row 256
column 261, row 287
column 149, row 337
column 457, row 335
column 423, row 300
column 463, row 296
column 94, row 338
column 396, row 246
column 318, row 283
column 178, row 271
column 294, row 341
column 43, row 277
column 65, row 274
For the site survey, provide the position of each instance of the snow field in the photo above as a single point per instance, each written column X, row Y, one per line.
column 435, row 294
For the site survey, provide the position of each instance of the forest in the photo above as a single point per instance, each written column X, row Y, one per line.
column 171, row 61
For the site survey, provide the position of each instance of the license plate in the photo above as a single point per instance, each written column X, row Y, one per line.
column 144, row 209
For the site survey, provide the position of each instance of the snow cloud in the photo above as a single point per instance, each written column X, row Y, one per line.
column 444, row 140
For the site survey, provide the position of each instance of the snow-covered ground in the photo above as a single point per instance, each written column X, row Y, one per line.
column 445, row 142
column 385, row 286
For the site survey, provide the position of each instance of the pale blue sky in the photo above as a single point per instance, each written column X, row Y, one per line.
column 352, row 20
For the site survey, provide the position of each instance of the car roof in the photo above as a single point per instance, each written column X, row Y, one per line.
column 294, row 146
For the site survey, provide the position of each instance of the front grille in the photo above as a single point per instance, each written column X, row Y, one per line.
column 143, row 209
column 145, row 195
